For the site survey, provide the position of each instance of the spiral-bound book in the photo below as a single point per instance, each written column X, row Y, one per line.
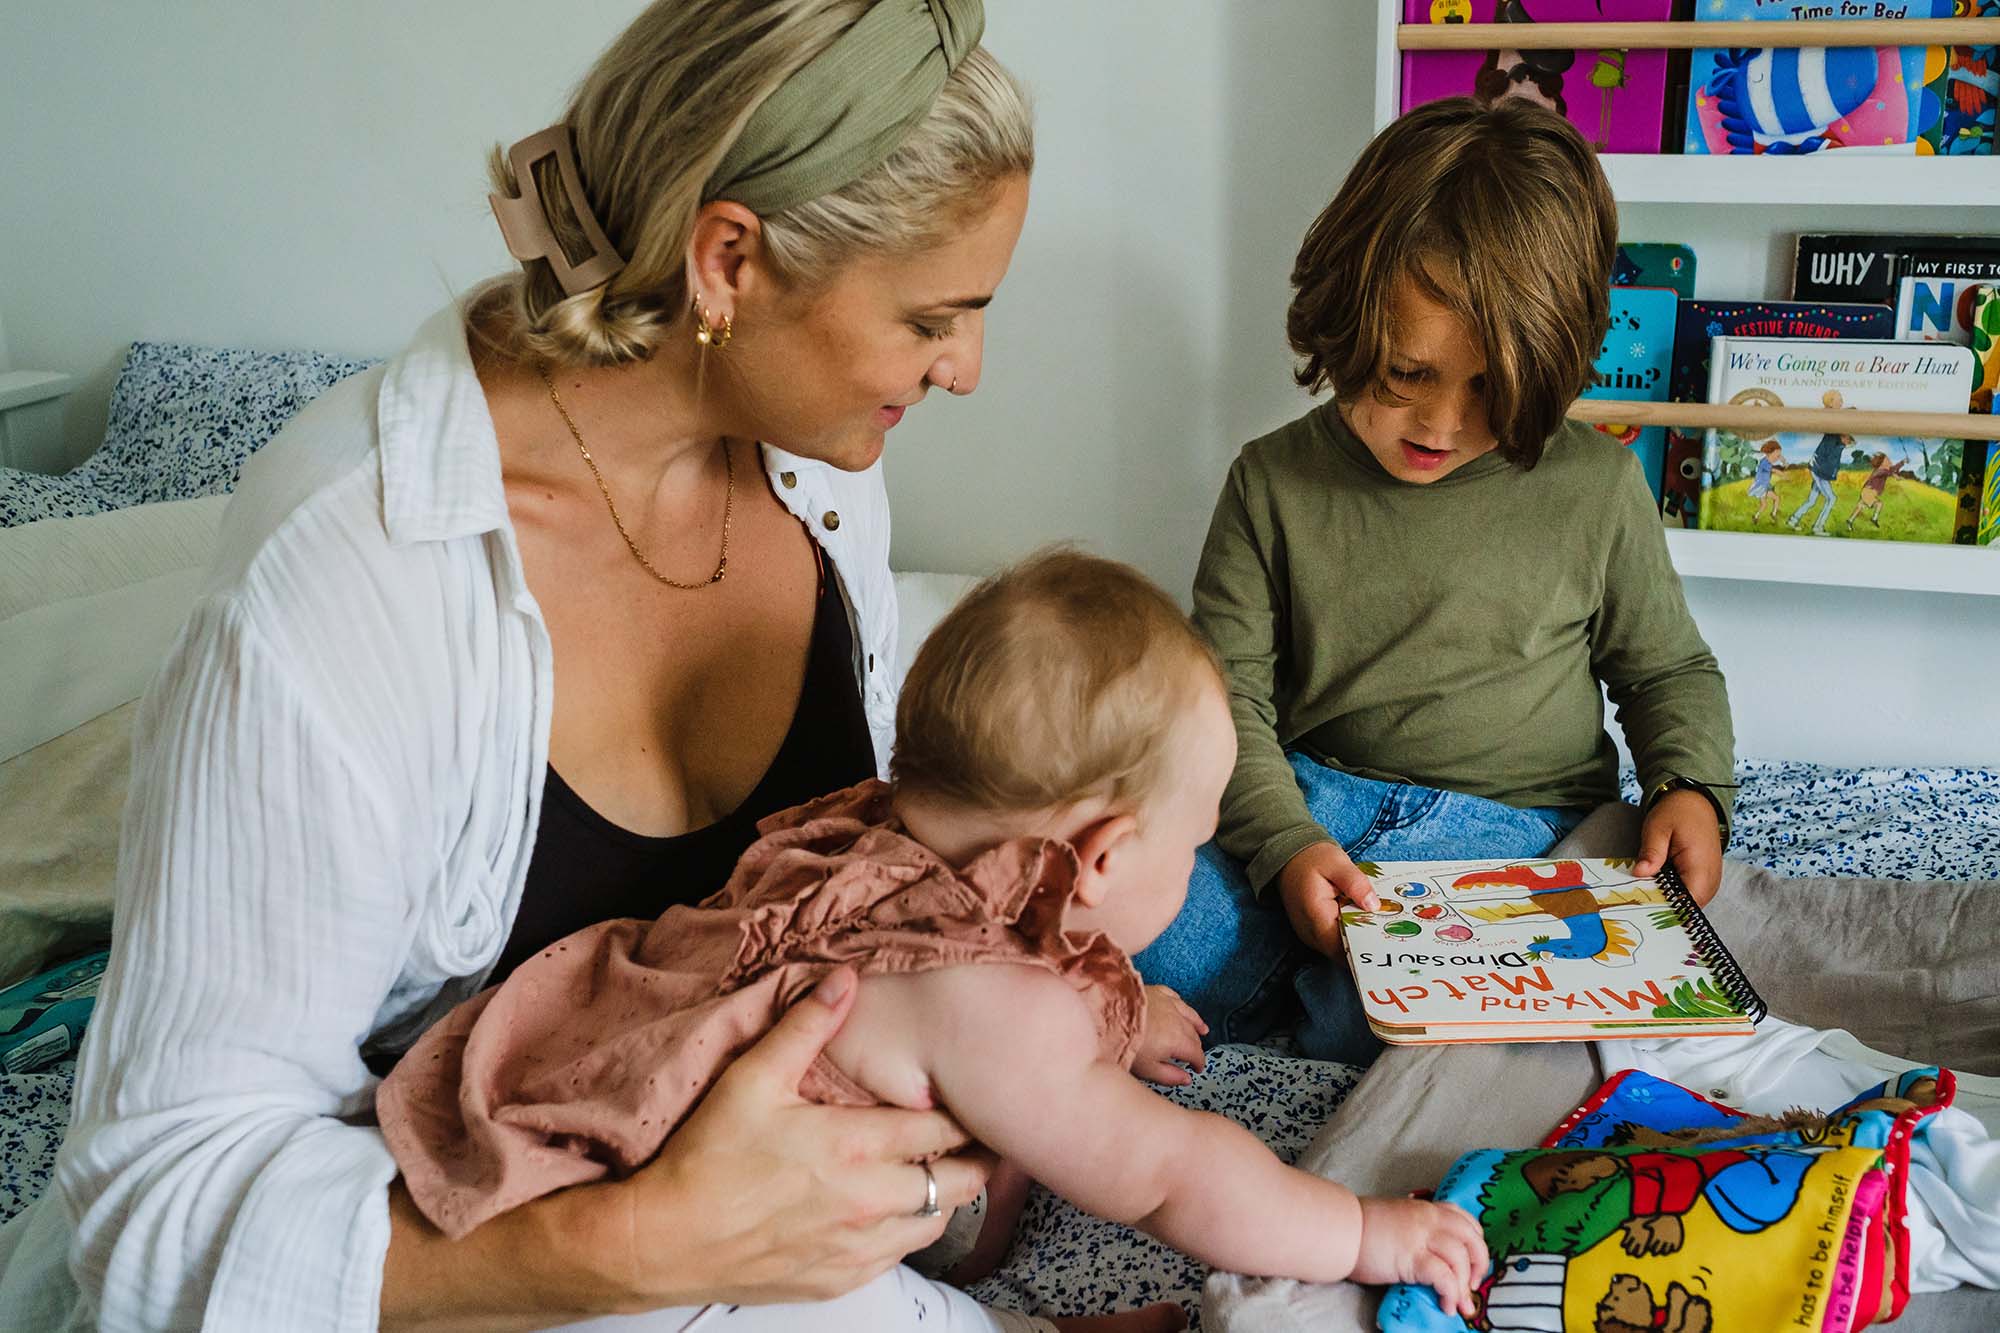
column 1566, row 950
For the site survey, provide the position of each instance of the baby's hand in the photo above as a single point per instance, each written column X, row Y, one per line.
column 1435, row 1245
column 1173, row 1032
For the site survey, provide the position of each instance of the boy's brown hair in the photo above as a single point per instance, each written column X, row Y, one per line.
column 1057, row 679
column 1502, row 215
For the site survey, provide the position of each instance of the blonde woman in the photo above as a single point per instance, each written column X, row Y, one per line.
column 523, row 631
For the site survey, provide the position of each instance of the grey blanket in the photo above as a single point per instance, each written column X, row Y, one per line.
column 1912, row 969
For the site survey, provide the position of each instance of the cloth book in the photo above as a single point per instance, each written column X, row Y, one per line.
column 1652, row 1207
column 1572, row 950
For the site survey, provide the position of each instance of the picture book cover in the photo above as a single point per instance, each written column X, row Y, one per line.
column 1635, row 363
column 1866, row 266
column 1656, row 1207
column 1937, row 309
column 1878, row 487
column 1654, row 264
column 1804, row 100
column 1984, row 506
column 1984, row 332
column 1976, row 496
column 1697, row 324
column 1615, row 98
column 1963, row 83
column 1539, row 951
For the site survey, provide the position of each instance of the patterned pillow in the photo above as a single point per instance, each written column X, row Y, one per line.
column 183, row 420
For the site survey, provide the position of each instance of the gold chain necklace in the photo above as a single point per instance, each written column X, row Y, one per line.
column 728, row 499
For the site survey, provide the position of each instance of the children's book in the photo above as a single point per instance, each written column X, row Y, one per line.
column 1700, row 322
column 1984, row 338
column 1803, row 100
column 1572, row 950
column 1848, row 266
column 1892, row 487
column 1635, row 363
column 1937, row 310
column 1962, row 86
column 42, row 1019
column 1653, row 1209
column 1981, row 512
column 1654, row 264
column 1614, row 97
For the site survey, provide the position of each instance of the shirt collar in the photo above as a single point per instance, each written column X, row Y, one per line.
column 440, row 456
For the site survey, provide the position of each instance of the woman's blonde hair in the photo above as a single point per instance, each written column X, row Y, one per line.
column 1058, row 679
column 1502, row 215
column 653, row 119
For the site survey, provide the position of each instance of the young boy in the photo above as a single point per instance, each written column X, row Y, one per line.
column 1418, row 588
column 1063, row 741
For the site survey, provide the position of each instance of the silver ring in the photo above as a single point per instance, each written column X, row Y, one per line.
column 930, row 1208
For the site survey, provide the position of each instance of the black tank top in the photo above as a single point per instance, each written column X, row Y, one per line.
column 586, row 869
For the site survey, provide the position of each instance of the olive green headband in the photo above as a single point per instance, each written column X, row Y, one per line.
column 845, row 110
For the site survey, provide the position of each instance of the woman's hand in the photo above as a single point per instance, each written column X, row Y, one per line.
column 1312, row 885
column 759, row 1197
column 762, row 1197
column 1681, row 828
column 1173, row 1034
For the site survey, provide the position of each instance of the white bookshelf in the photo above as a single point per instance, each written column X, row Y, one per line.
column 1857, row 563
column 1817, row 178
column 1764, row 182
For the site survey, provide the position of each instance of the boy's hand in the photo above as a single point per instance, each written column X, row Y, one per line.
column 1173, row 1032
column 1681, row 828
column 1313, row 884
column 1435, row 1245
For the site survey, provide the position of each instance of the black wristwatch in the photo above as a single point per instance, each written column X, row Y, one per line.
column 1679, row 783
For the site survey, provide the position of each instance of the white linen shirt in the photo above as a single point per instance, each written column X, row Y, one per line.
column 336, row 784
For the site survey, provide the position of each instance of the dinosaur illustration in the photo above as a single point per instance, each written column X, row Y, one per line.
column 1559, row 891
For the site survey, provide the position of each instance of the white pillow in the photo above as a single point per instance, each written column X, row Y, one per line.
column 921, row 601
column 89, row 608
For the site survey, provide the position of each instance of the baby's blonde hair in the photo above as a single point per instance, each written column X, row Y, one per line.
column 1058, row 679
column 653, row 119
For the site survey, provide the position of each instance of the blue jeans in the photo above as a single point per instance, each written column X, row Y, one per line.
column 1236, row 959
column 1821, row 488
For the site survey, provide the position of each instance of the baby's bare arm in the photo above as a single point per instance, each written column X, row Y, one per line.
column 1012, row 1053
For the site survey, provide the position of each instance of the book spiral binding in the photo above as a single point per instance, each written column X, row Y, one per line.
column 1709, row 945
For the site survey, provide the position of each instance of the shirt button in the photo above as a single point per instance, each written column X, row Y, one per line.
column 788, row 479
column 871, row 661
column 831, row 521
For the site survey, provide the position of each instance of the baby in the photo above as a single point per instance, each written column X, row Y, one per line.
column 1063, row 742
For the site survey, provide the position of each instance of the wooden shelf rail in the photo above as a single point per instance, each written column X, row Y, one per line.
column 1766, row 421
column 1689, row 35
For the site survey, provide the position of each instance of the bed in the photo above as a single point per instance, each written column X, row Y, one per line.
column 97, row 567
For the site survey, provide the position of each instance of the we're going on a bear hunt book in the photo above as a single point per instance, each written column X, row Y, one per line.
column 1565, row 950
column 1833, row 483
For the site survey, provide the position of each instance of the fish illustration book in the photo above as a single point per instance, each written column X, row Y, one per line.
column 1540, row 950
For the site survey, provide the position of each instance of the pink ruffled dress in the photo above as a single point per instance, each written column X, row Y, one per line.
column 587, row 1057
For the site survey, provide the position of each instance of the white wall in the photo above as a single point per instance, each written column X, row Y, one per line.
column 304, row 175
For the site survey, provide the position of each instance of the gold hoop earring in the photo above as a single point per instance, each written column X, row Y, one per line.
column 717, row 334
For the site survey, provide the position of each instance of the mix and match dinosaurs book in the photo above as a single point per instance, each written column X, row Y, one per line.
column 1566, row 950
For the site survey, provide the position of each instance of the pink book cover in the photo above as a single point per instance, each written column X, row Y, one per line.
column 1617, row 98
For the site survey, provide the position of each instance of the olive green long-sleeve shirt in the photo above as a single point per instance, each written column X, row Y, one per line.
column 1450, row 635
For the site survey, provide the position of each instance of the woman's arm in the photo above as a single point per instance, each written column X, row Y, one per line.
column 758, row 1197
